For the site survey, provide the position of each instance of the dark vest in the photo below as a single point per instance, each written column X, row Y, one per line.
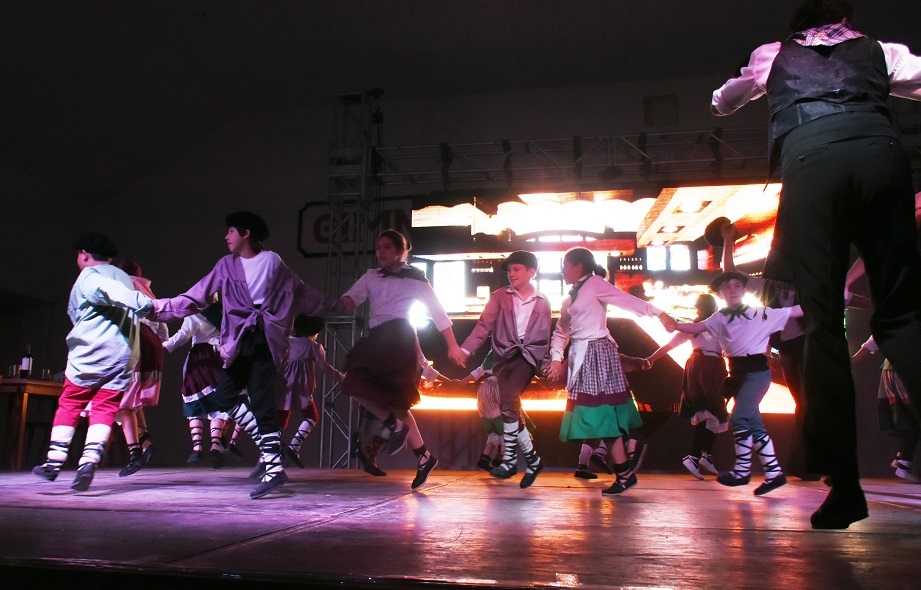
column 807, row 83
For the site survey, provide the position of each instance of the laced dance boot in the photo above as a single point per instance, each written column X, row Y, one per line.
column 535, row 465
column 135, row 460
column 626, row 479
column 274, row 476
column 57, row 453
column 773, row 475
column 509, row 465
column 741, row 472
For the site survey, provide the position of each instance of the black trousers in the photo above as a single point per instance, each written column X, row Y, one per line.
column 253, row 370
column 858, row 191
column 791, row 363
column 512, row 377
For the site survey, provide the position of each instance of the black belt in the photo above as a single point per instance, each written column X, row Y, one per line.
column 742, row 365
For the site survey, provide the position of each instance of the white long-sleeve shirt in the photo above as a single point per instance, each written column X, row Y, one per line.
column 904, row 77
column 195, row 328
column 586, row 318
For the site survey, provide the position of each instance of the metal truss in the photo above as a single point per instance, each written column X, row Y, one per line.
column 354, row 201
column 604, row 162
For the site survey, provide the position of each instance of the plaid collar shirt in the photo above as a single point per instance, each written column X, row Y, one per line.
column 827, row 35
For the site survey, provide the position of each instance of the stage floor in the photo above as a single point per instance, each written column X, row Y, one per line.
column 198, row 528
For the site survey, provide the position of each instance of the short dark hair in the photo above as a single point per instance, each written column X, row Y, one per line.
column 815, row 13
column 520, row 257
column 244, row 220
column 307, row 325
column 98, row 245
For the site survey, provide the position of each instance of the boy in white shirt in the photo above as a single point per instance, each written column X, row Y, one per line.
column 743, row 333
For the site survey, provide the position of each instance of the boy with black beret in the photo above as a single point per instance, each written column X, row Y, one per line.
column 517, row 319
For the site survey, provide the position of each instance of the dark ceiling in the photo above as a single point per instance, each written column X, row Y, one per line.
column 97, row 94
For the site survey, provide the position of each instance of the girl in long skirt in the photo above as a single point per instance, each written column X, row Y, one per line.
column 200, row 373
column 382, row 368
column 144, row 390
column 701, row 400
column 895, row 413
column 307, row 356
column 599, row 405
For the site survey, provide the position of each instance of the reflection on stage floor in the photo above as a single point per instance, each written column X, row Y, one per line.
column 343, row 528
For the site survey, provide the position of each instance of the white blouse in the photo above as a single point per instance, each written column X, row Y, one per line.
column 586, row 318
column 195, row 328
column 391, row 298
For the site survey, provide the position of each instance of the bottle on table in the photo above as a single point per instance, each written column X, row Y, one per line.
column 25, row 367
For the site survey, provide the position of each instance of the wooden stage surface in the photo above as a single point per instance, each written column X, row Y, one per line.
column 197, row 527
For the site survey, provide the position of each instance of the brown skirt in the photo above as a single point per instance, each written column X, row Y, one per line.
column 700, row 391
column 383, row 367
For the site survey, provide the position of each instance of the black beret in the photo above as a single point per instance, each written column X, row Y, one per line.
column 714, row 231
column 717, row 283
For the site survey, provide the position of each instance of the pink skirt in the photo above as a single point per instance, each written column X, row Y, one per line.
column 144, row 389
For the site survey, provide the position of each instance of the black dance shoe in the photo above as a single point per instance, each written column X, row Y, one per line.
column 771, row 484
column 135, row 464
column 502, row 471
column 599, row 465
column 45, row 472
column 840, row 509
column 728, row 479
column 217, row 459
column 397, row 440
column 84, row 477
column 620, row 486
column 529, row 477
column 368, row 464
column 267, row 487
column 293, row 456
column 422, row 472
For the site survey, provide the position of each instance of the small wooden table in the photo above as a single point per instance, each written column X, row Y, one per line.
column 20, row 390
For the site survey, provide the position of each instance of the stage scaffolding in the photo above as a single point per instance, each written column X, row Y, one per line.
column 641, row 161
column 354, row 201
column 361, row 169
column 579, row 162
